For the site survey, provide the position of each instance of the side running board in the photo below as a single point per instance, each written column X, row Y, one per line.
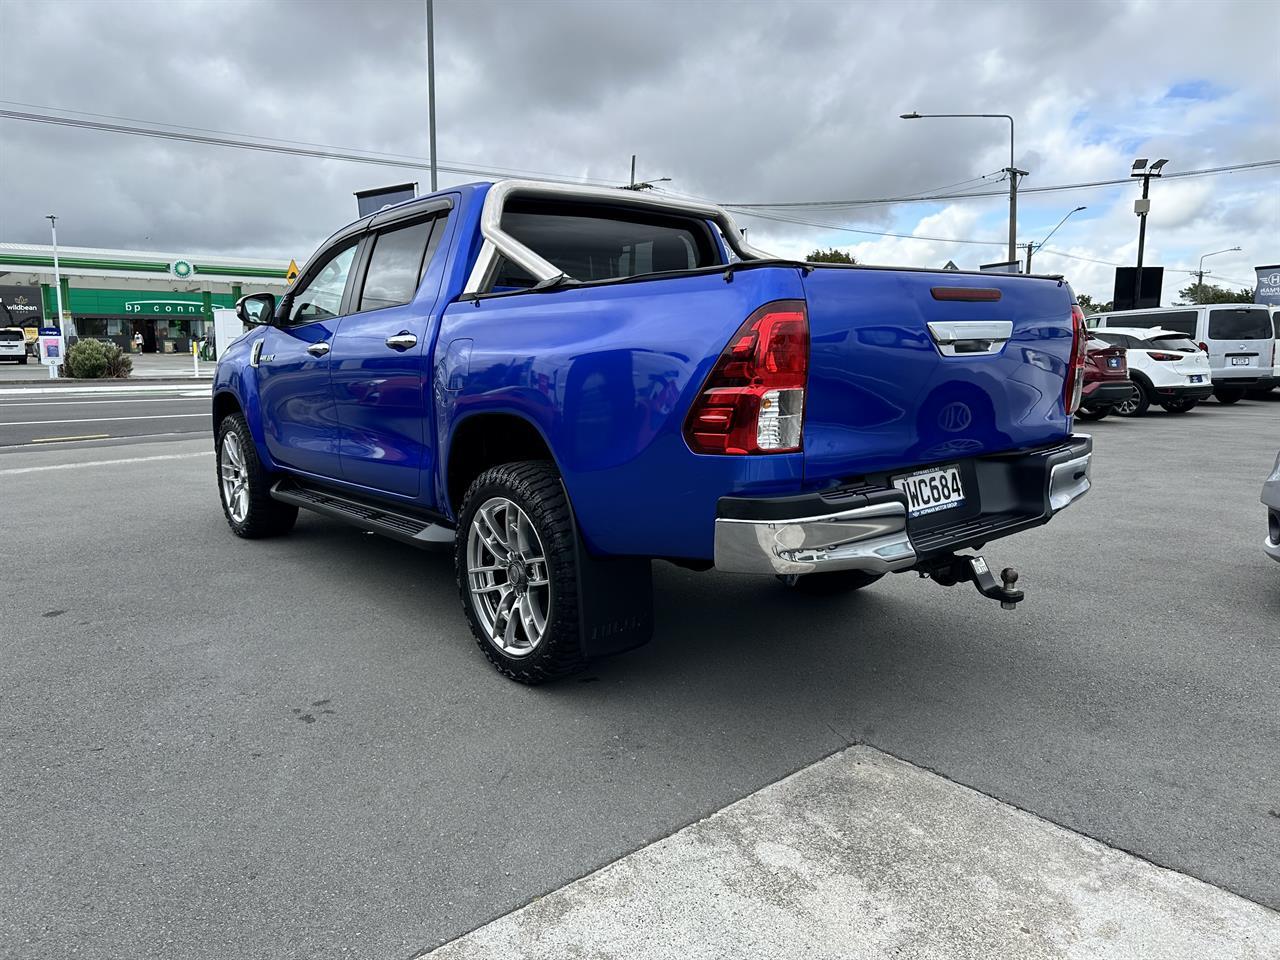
column 380, row 518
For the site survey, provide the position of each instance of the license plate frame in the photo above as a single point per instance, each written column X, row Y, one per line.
column 1113, row 363
column 1197, row 378
column 946, row 492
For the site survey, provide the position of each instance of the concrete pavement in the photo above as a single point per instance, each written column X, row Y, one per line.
column 863, row 855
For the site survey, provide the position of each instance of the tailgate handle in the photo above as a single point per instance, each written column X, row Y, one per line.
column 957, row 338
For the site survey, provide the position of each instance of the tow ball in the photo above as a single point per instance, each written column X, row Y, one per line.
column 951, row 570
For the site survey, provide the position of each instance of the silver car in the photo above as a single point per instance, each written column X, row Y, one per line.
column 1271, row 499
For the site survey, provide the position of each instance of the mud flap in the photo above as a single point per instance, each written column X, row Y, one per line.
column 615, row 600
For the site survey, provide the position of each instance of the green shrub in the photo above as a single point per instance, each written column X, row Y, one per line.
column 119, row 363
column 87, row 360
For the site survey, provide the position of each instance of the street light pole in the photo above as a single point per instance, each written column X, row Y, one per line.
column 1200, row 270
column 431, row 88
column 1013, row 171
column 57, row 285
column 1040, row 245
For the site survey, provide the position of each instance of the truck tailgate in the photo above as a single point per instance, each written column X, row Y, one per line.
column 883, row 395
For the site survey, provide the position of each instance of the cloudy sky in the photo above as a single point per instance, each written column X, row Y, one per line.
column 741, row 102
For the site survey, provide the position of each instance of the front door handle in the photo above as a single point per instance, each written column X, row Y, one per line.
column 402, row 341
column 318, row 349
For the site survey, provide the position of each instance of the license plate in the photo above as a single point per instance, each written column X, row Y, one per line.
column 1113, row 363
column 1196, row 378
column 1239, row 361
column 929, row 491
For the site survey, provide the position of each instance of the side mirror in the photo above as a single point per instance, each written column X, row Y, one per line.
column 256, row 309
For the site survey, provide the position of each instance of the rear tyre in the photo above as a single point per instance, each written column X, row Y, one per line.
column 23, row 359
column 1228, row 395
column 828, row 584
column 1092, row 413
column 1180, row 406
column 244, row 486
column 1134, row 405
column 515, row 558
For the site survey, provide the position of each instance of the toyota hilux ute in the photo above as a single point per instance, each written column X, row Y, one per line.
column 566, row 383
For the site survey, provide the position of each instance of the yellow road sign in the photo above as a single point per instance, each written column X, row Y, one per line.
column 291, row 274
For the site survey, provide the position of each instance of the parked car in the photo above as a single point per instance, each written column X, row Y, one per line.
column 1165, row 367
column 13, row 344
column 566, row 383
column 1271, row 500
column 1106, row 380
column 1238, row 338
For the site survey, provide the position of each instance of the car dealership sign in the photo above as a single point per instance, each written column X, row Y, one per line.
column 1268, row 289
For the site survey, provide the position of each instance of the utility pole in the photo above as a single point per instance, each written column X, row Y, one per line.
column 643, row 184
column 431, row 89
column 1142, row 208
column 633, row 172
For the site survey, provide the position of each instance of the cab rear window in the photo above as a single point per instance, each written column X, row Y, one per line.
column 1240, row 323
column 602, row 243
column 1173, row 343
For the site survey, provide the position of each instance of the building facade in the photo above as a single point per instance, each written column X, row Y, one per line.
column 117, row 294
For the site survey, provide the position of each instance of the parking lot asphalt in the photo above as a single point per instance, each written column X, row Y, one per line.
column 285, row 748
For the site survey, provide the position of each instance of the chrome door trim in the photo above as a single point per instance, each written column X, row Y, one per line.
column 967, row 338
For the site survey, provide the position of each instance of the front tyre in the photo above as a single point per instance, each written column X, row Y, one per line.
column 244, row 486
column 1228, row 395
column 515, row 558
column 828, row 584
column 1179, row 406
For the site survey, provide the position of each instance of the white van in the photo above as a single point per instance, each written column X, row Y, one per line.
column 1238, row 337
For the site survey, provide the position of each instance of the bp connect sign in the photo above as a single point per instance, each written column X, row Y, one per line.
column 163, row 307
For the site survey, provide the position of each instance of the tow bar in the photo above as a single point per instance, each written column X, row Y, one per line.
column 951, row 570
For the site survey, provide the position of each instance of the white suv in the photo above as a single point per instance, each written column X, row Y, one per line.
column 1165, row 367
column 13, row 344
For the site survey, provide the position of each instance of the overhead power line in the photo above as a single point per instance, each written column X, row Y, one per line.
column 872, row 233
column 294, row 148
column 1053, row 188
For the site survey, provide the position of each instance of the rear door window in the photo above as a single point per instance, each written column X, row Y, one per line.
column 11, row 336
column 396, row 264
column 590, row 242
column 1240, row 323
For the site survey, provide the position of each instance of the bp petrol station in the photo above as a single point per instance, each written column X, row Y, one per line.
column 115, row 294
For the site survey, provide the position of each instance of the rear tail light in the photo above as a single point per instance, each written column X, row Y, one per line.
column 753, row 399
column 1203, row 346
column 1074, row 385
column 1157, row 355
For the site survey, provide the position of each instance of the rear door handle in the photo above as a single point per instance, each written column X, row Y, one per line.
column 402, row 341
column 318, row 349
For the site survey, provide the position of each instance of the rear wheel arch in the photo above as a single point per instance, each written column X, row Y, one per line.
column 1143, row 382
column 485, row 440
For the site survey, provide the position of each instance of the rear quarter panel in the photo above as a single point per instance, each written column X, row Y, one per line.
column 607, row 374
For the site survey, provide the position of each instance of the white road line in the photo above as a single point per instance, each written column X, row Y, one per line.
column 81, row 401
column 151, row 416
column 14, row 471
column 89, row 391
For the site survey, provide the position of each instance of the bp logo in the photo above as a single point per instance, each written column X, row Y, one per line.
column 181, row 269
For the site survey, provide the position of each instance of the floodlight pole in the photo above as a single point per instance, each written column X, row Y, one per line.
column 1141, row 208
column 1013, row 171
column 431, row 89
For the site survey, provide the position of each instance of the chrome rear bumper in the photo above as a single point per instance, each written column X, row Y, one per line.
column 870, row 533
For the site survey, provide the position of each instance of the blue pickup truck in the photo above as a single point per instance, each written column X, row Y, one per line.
column 566, row 383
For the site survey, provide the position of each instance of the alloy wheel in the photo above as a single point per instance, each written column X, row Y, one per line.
column 234, row 477
column 507, row 577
